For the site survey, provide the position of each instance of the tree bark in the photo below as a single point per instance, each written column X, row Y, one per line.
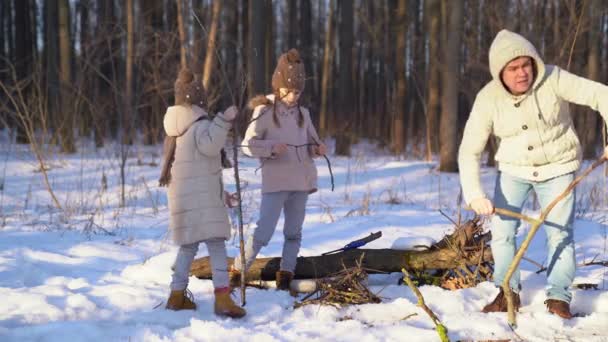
column 433, row 13
column 399, row 112
column 452, row 33
column 66, row 132
column 345, row 78
column 183, row 51
column 448, row 253
column 326, row 79
column 257, row 47
column 590, row 135
column 129, row 113
column 23, row 55
column 211, row 58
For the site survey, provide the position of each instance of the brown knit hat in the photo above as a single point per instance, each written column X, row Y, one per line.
column 189, row 89
column 289, row 72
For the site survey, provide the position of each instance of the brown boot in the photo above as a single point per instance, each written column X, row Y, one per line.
column 283, row 279
column 499, row 304
column 559, row 307
column 180, row 300
column 224, row 306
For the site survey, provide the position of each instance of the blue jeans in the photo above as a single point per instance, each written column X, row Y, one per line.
column 511, row 193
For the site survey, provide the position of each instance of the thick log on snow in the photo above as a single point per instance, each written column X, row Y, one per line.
column 451, row 252
column 375, row 260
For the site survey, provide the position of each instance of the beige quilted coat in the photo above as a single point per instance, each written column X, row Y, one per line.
column 195, row 194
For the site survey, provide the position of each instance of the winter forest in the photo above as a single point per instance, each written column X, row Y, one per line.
column 86, row 252
column 401, row 73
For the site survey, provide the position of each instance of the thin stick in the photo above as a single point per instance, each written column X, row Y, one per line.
column 441, row 329
column 238, row 103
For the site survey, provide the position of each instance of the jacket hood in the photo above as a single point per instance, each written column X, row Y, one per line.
column 260, row 100
column 179, row 118
column 507, row 46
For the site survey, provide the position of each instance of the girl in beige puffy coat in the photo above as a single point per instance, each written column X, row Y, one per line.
column 282, row 135
column 193, row 173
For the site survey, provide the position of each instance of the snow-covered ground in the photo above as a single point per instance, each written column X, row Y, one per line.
column 99, row 272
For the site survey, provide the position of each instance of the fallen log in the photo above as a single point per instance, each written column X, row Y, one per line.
column 456, row 250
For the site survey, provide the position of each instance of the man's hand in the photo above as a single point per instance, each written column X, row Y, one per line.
column 230, row 113
column 320, row 150
column 606, row 152
column 482, row 206
column 278, row 149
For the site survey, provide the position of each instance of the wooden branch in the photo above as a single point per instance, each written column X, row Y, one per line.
column 441, row 329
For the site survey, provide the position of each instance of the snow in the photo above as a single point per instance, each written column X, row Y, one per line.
column 99, row 272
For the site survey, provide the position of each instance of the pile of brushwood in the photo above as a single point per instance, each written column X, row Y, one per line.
column 347, row 287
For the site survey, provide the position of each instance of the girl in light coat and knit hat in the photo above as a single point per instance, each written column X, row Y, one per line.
column 282, row 135
column 526, row 107
column 194, row 159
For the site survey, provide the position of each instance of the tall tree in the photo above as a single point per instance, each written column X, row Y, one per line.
column 183, row 49
column 345, row 78
column 328, row 53
column 128, row 119
column 210, row 58
column 433, row 13
column 306, row 49
column 590, row 127
column 66, row 133
column 257, row 47
column 452, row 36
column 398, row 122
column 23, row 51
column 292, row 24
column 51, row 59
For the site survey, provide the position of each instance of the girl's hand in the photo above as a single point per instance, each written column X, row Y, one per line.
column 231, row 113
column 278, row 149
column 231, row 200
column 606, row 152
column 320, row 150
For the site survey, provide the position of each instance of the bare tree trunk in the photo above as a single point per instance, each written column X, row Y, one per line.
column 433, row 13
column 210, row 58
column 446, row 254
column 398, row 122
column 23, row 52
column 257, row 47
column 306, row 51
column 449, row 98
column 183, row 51
column 66, row 132
column 51, row 43
column 292, row 24
column 590, row 136
column 328, row 52
column 269, row 58
column 345, row 78
column 129, row 113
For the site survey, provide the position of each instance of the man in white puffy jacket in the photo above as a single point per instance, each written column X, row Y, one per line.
column 526, row 107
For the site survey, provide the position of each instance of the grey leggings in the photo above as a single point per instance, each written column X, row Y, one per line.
column 185, row 256
column 293, row 203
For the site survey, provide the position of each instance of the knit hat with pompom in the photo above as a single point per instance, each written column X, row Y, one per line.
column 189, row 89
column 289, row 72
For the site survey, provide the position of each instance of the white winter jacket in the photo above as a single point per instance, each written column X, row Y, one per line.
column 536, row 136
column 196, row 190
